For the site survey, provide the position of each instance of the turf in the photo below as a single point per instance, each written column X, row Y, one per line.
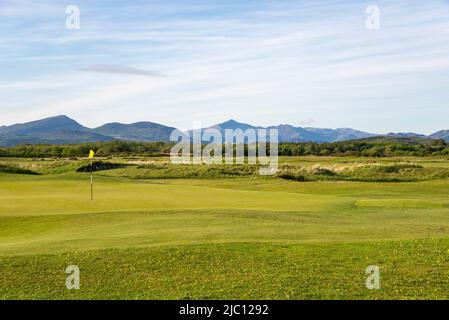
column 409, row 270
column 242, row 237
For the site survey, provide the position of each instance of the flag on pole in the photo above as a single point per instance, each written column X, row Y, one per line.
column 91, row 154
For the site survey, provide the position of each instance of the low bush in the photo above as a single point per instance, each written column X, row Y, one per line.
column 99, row 166
column 16, row 170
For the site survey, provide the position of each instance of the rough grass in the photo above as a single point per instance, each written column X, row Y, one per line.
column 409, row 270
column 398, row 172
column 293, row 168
column 42, row 166
column 179, row 171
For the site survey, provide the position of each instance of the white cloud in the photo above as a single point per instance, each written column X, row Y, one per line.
column 115, row 69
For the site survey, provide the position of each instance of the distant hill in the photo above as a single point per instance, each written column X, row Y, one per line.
column 48, row 125
column 442, row 134
column 54, row 130
column 139, row 131
column 64, row 130
column 289, row 133
column 406, row 134
column 60, row 137
column 340, row 134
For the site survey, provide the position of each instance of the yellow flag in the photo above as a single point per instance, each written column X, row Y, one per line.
column 91, row 154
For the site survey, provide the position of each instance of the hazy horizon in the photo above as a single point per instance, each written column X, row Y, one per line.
column 304, row 63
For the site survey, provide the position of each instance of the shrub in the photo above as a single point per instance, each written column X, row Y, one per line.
column 99, row 166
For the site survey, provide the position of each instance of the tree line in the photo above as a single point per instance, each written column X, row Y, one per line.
column 364, row 148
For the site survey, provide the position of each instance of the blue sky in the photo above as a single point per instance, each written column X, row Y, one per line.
column 306, row 63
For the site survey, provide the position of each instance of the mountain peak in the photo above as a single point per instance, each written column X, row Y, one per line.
column 51, row 124
column 61, row 117
column 58, row 129
column 233, row 124
column 230, row 122
column 137, row 131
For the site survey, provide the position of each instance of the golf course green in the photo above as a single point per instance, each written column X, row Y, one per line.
column 155, row 232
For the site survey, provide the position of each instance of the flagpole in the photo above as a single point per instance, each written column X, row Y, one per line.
column 91, row 182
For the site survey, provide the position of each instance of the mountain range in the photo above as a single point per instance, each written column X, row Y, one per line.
column 64, row 130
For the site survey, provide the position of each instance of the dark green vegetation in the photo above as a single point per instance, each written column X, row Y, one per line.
column 99, row 166
column 158, row 230
column 370, row 147
column 113, row 148
column 16, row 170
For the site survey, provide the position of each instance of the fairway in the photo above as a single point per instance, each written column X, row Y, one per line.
column 231, row 237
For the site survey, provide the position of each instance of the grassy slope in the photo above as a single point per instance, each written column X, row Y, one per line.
column 232, row 238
